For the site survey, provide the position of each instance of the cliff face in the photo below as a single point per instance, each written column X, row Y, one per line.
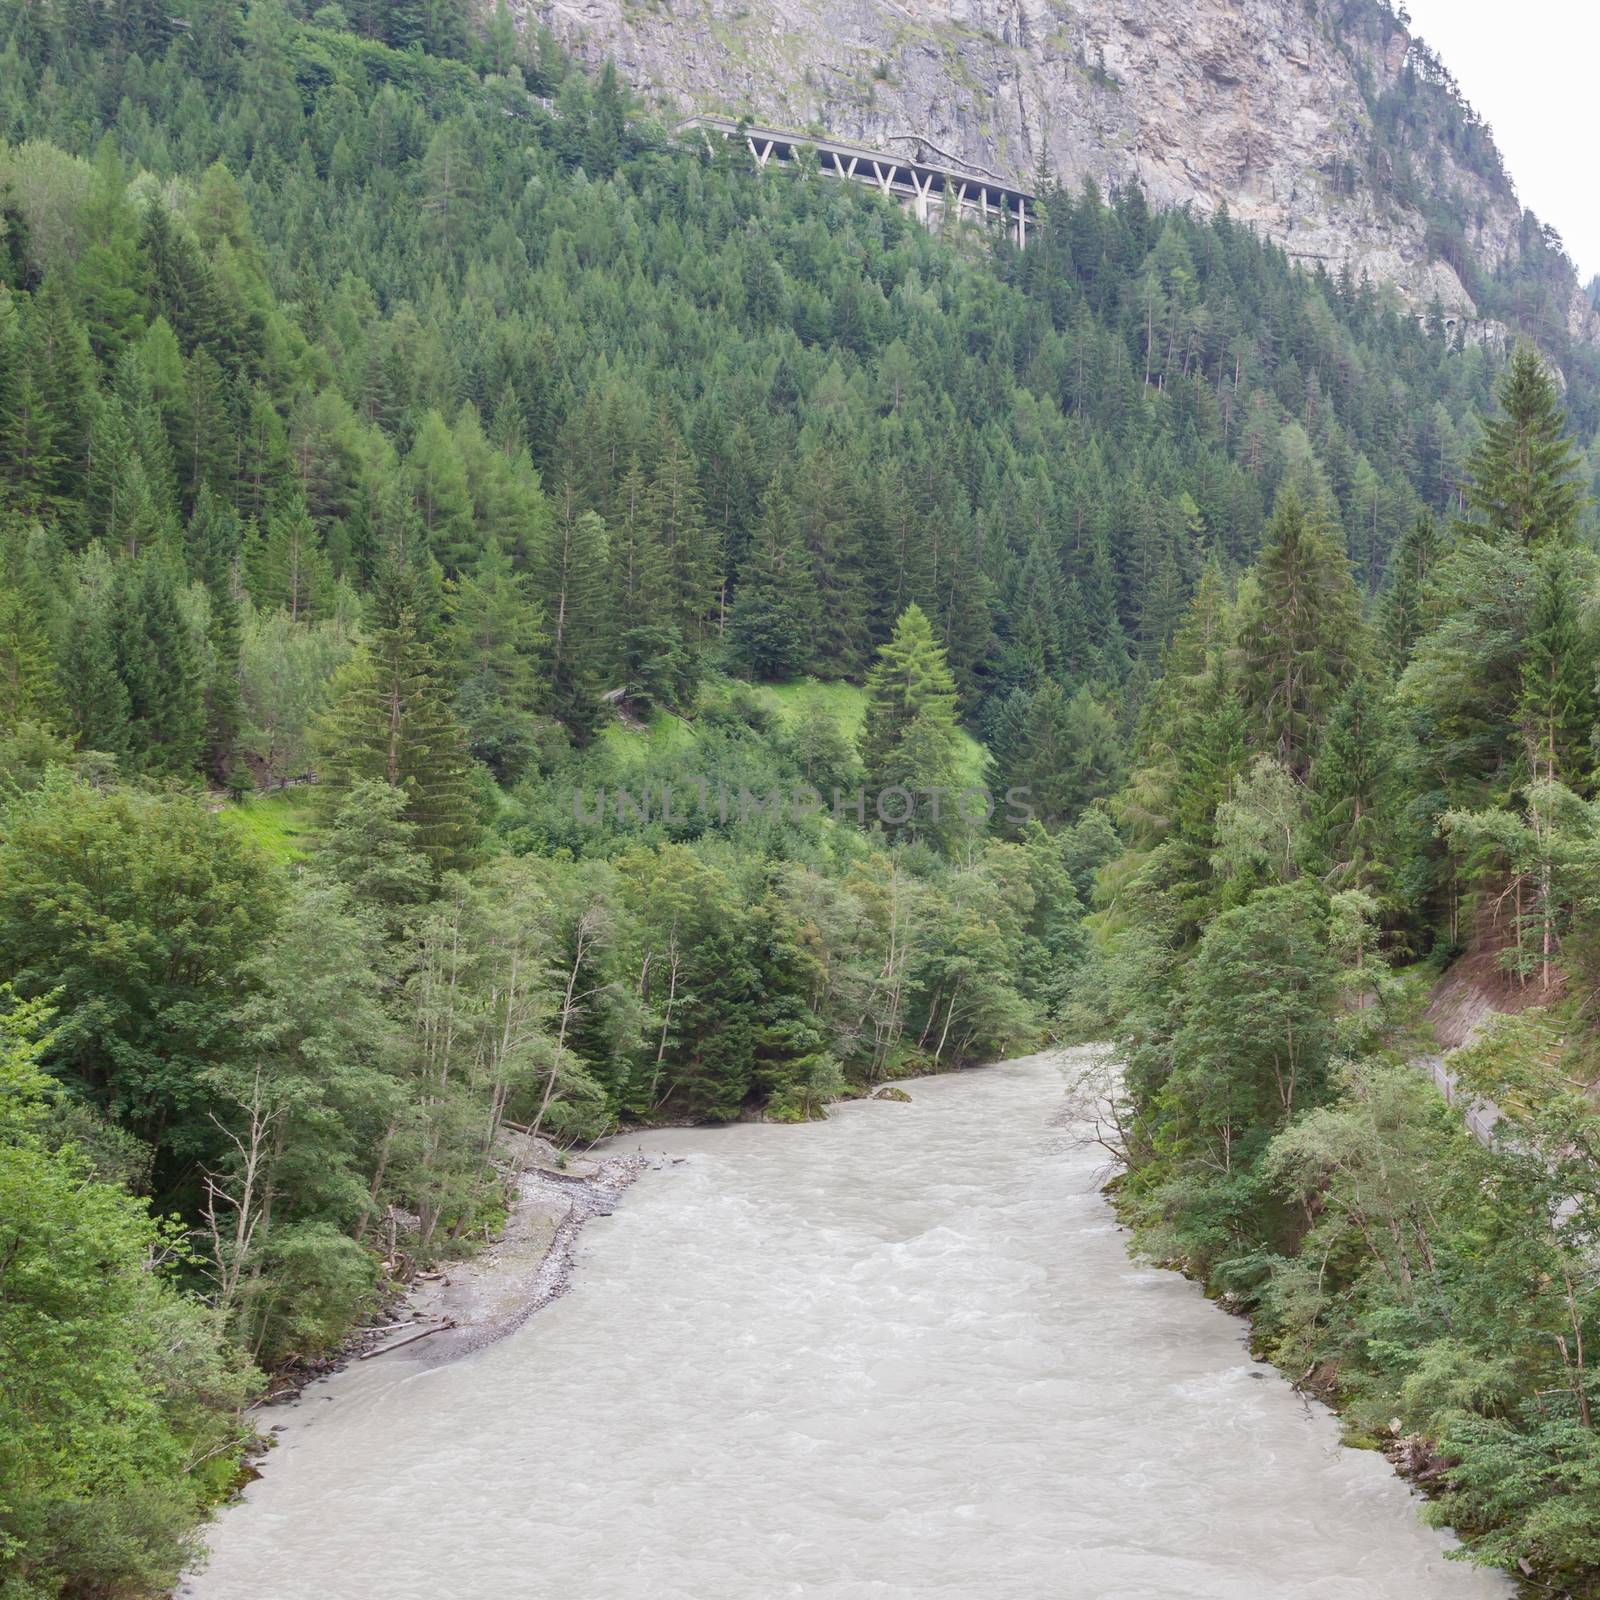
column 1269, row 106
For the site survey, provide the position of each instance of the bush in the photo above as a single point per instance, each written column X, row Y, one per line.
column 316, row 1284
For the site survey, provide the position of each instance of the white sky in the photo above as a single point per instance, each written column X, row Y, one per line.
column 1532, row 71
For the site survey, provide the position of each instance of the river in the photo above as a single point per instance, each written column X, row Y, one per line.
column 898, row 1354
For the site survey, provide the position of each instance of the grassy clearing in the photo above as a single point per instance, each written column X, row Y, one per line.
column 282, row 823
column 664, row 734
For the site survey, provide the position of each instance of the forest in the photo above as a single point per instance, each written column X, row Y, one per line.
column 412, row 459
column 1327, row 803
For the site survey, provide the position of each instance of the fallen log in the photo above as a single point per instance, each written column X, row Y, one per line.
column 400, row 1344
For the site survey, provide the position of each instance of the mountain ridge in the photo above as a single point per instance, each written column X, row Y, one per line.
column 1328, row 126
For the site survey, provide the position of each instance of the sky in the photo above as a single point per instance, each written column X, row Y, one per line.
column 1532, row 72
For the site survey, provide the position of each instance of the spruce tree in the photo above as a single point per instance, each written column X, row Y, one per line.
column 495, row 640
column 1210, row 757
column 1356, row 791
column 1034, row 614
column 290, row 569
column 1404, row 610
column 570, row 581
column 393, row 721
column 909, row 686
column 1301, row 632
column 444, row 500
column 111, row 278
column 27, row 682
column 693, row 562
column 156, row 662
column 1523, row 472
column 91, row 690
column 1064, row 755
column 1557, row 710
column 214, row 540
column 775, row 616
column 205, row 448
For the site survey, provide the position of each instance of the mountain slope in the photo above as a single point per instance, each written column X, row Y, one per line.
column 1324, row 124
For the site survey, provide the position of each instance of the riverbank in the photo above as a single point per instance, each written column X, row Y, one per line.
column 476, row 1302
column 468, row 1304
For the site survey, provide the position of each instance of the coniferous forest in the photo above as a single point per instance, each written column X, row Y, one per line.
column 415, row 462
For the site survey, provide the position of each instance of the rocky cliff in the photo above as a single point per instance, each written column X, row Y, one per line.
column 1322, row 122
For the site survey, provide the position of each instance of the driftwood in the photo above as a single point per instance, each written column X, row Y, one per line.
column 400, row 1344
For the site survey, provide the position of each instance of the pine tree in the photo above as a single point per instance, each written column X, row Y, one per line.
column 1356, row 792
column 570, row 580
column 1523, row 472
column 775, row 617
column 1301, row 633
column 393, row 722
column 290, row 569
column 1558, row 707
column 496, row 638
column 909, row 684
column 1405, row 611
column 27, row 681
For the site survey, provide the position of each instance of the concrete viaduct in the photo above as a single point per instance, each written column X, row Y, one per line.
column 918, row 185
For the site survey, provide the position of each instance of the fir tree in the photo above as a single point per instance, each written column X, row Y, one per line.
column 911, row 708
column 290, row 569
column 1356, row 791
column 570, row 580
column 1558, row 708
column 495, row 641
column 775, row 616
column 1301, row 633
column 1524, row 469
column 393, row 722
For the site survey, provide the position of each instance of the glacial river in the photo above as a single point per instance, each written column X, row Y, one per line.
column 898, row 1354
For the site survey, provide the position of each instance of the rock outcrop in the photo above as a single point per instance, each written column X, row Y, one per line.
column 1272, row 107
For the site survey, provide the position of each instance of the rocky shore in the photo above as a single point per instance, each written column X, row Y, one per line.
column 465, row 1305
